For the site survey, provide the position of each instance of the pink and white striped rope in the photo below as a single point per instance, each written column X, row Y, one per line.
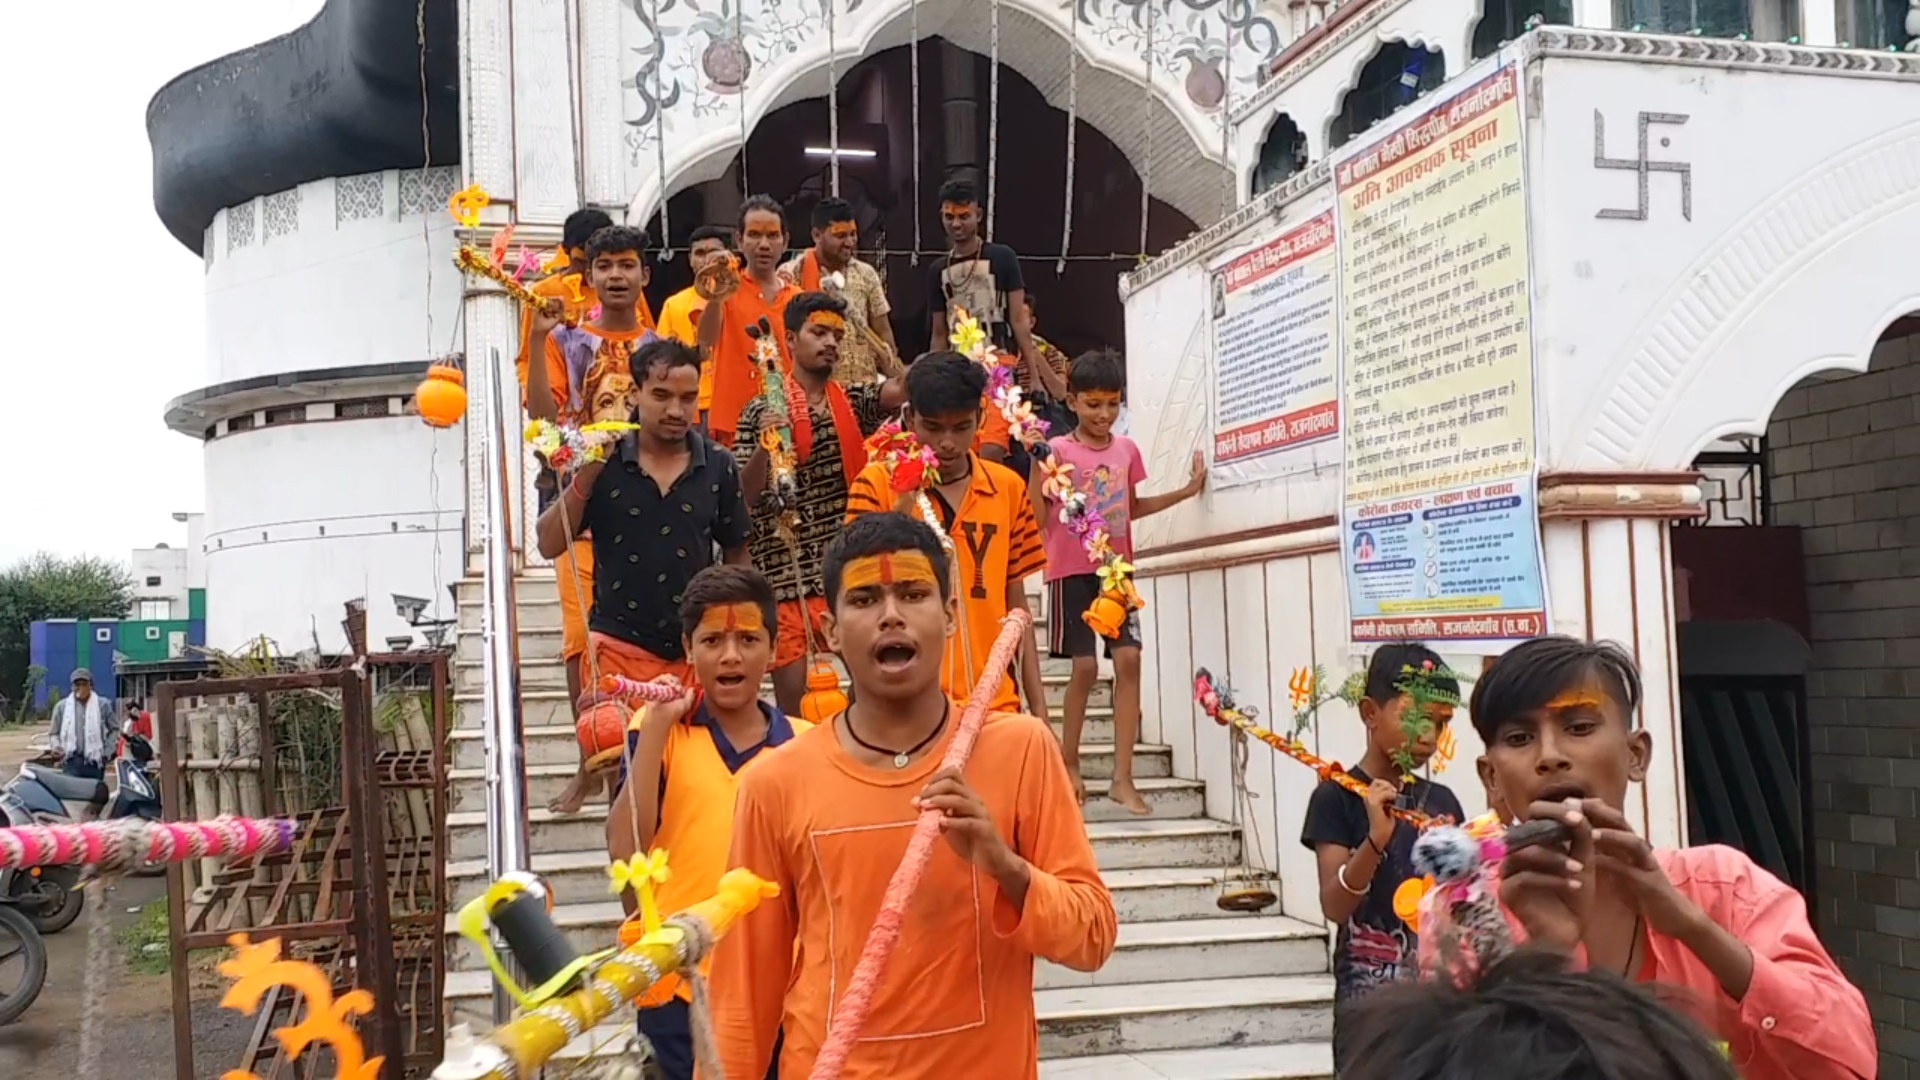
column 659, row 693
column 117, row 845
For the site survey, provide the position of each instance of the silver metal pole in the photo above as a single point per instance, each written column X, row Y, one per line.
column 507, row 839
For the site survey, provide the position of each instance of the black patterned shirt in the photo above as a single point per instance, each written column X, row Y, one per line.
column 648, row 544
column 822, row 479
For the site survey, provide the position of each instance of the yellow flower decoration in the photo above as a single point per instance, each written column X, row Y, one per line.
column 967, row 337
column 1114, row 574
column 641, row 874
column 466, row 205
column 559, row 260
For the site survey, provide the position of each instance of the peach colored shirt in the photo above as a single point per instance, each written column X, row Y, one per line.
column 1800, row 1019
column 957, row 999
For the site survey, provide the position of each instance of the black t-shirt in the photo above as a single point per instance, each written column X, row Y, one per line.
column 979, row 284
column 1375, row 946
column 648, row 544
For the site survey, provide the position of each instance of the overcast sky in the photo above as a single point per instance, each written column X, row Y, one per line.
column 92, row 468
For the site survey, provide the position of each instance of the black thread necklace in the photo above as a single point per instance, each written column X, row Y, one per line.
column 901, row 758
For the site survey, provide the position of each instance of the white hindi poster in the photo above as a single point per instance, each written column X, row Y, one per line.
column 1275, row 355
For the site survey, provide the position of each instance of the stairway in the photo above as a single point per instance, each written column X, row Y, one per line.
column 1191, row 993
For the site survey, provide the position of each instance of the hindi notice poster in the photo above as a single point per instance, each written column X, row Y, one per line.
column 1439, row 526
column 1275, row 361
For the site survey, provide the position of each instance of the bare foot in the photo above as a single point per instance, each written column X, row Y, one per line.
column 1079, row 785
column 1124, row 793
column 572, row 799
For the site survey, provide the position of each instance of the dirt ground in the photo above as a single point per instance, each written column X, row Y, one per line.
column 137, row 1017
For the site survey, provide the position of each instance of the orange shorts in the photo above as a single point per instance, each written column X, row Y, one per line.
column 573, row 571
column 796, row 619
column 611, row 656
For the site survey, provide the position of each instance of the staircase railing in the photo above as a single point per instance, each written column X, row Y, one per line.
column 500, row 707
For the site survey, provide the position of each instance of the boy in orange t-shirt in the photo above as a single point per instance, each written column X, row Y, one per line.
column 983, row 506
column 828, row 818
column 685, row 759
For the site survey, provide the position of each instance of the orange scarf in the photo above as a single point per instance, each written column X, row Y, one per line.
column 810, row 272
column 853, row 449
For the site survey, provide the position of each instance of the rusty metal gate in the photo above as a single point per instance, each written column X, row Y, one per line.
column 321, row 748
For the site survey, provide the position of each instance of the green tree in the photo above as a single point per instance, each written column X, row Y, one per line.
column 46, row 586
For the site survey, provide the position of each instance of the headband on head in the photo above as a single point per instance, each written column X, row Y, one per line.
column 888, row 568
column 741, row 616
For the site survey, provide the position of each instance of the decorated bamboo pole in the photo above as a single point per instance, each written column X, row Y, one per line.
column 519, row 1048
column 851, row 1016
column 113, row 846
column 1216, row 700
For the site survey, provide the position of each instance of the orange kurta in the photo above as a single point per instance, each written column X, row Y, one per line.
column 957, row 1000
column 996, row 541
column 736, row 378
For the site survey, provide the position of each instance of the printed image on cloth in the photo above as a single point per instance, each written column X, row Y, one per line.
column 1108, row 476
column 979, row 284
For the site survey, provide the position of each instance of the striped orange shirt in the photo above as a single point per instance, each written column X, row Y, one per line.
column 996, row 543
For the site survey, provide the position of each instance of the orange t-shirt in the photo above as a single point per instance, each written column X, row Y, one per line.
column 696, row 816
column 736, row 378
column 996, row 541
column 577, row 298
column 957, row 1000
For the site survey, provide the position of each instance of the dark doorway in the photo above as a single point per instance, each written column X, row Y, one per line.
column 1392, row 80
column 1081, row 309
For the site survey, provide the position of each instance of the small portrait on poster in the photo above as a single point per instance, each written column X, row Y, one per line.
column 1363, row 547
column 1219, row 297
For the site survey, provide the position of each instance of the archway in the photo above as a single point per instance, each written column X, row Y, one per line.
column 1283, row 152
column 1811, row 536
column 1079, row 304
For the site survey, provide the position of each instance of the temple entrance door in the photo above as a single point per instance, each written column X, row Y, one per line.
column 1077, row 306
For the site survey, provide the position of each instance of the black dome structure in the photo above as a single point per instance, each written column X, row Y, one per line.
column 339, row 96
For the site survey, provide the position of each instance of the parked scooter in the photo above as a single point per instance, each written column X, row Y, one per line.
column 23, row 963
column 43, row 795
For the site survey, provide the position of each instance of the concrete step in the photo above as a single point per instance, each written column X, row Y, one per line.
column 1146, row 1017
column 1140, row 1018
column 1224, row 947
column 548, row 777
column 580, row 876
column 1152, row 895
column 1289, row 1061
column 611, row 1051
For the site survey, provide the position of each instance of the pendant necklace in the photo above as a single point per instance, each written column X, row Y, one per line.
column 901, row 758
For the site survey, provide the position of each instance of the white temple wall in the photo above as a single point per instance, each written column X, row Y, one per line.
column 302, row 518
column 336, row 273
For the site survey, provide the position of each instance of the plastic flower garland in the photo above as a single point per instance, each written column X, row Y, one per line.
column 566, row 449
column 913, row 468
column 1118, row 598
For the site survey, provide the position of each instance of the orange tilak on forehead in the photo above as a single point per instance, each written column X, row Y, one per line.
column 1582, row 698
column 888, row 568
column 955, row 207
column 736, row 618
column 843, row 229
column 830, row 320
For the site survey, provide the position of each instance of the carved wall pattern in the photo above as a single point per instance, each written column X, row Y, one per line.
column 359, row 198
column 707, row 61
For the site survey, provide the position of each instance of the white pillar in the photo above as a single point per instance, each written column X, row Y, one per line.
column 1593, row 14
column 602, row 149
column 486, row 121
column 493, row 330
column 1819, row 22
column 1610, row 578
column 545, row 113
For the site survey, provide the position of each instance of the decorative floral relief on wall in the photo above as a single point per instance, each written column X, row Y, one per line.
column 694, row 66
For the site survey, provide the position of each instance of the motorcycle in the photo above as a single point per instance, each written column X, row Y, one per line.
column 43, row 795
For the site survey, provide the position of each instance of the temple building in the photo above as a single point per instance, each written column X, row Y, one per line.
column 1588, row 317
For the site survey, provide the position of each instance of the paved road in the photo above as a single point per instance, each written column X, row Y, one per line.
column 137, row 1011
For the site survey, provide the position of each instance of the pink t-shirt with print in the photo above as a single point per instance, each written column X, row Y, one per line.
column 1108, row 476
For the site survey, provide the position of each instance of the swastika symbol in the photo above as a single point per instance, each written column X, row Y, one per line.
column 1643, row 165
